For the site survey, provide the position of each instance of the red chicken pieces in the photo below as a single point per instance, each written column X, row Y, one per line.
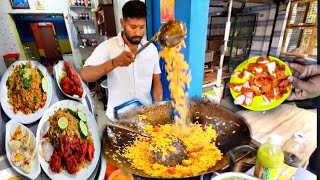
column 55, row 163
column 90, row 151
column 264, row 78
column 73, row 152
column 71, row 84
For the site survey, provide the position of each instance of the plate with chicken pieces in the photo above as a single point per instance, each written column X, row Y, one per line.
column 68, row 141
column 260, row 83
column 69, row 80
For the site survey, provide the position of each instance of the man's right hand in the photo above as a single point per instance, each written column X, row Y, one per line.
column 124, row 59
column 305, row 80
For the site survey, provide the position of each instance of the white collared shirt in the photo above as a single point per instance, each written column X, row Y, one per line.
column 131, row 82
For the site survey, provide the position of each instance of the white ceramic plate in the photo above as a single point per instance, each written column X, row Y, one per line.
column 8, row 109
column 58, row 68
column 35, row 165
column 9, row 173
column 85, row 172
column 234, row 175
column 103, row 167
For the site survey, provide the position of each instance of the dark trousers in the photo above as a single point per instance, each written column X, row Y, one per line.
column 312, row 167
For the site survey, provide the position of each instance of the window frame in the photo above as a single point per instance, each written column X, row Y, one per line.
column 304, row 25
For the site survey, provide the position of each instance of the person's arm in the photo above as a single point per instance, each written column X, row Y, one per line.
column 156, row 78
column 157, row 87
column 299, row 59
column 93, row 73
column 305, row 80
column 304, row 71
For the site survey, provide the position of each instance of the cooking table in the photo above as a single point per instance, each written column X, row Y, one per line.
column 284, row 120
column 57, row 95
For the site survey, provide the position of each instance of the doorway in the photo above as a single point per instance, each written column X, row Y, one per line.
column 46, row 41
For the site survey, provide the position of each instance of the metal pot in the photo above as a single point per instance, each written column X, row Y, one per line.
column 232, row 130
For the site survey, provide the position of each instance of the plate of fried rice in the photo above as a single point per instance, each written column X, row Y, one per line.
column 68, row 141
column 26, row 91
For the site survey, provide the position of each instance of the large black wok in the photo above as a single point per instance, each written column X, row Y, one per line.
column 231, row 129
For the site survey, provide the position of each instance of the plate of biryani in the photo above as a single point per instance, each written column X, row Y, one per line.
column 260, row 83
column 68, row 141
column 26, row 91
column 69, row 81
column 21, row 149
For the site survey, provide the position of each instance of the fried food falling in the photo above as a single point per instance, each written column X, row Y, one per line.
column 179, row 78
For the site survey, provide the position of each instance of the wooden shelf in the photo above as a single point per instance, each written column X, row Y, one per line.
column 215, row 37
column 211, row 77
column 244, row 35
column 304, row 25
column 252, row 1
column 80, row 7
column 222, row 36
column 208, row 70
column 92, row 34
column 90, row 20
column 236, row 57
column 87, row 47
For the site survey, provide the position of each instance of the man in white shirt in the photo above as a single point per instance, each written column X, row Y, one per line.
column 128, row 76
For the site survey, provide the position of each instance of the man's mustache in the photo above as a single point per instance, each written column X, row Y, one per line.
column 140, row 37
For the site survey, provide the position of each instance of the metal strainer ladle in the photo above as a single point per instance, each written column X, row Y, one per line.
column 170, row 34
column 168, row 158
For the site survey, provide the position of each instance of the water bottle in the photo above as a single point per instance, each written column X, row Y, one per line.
column 294, row 151
column 28, row 53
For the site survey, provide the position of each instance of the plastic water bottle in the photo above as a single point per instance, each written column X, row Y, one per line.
column 28, row 53
column 294, row 151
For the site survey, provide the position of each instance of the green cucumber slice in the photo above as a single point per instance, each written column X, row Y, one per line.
column 83, row 130
column 63, row 123
column 82, row 116
column 44, row 85
column 70, row 111
column 39, row 71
